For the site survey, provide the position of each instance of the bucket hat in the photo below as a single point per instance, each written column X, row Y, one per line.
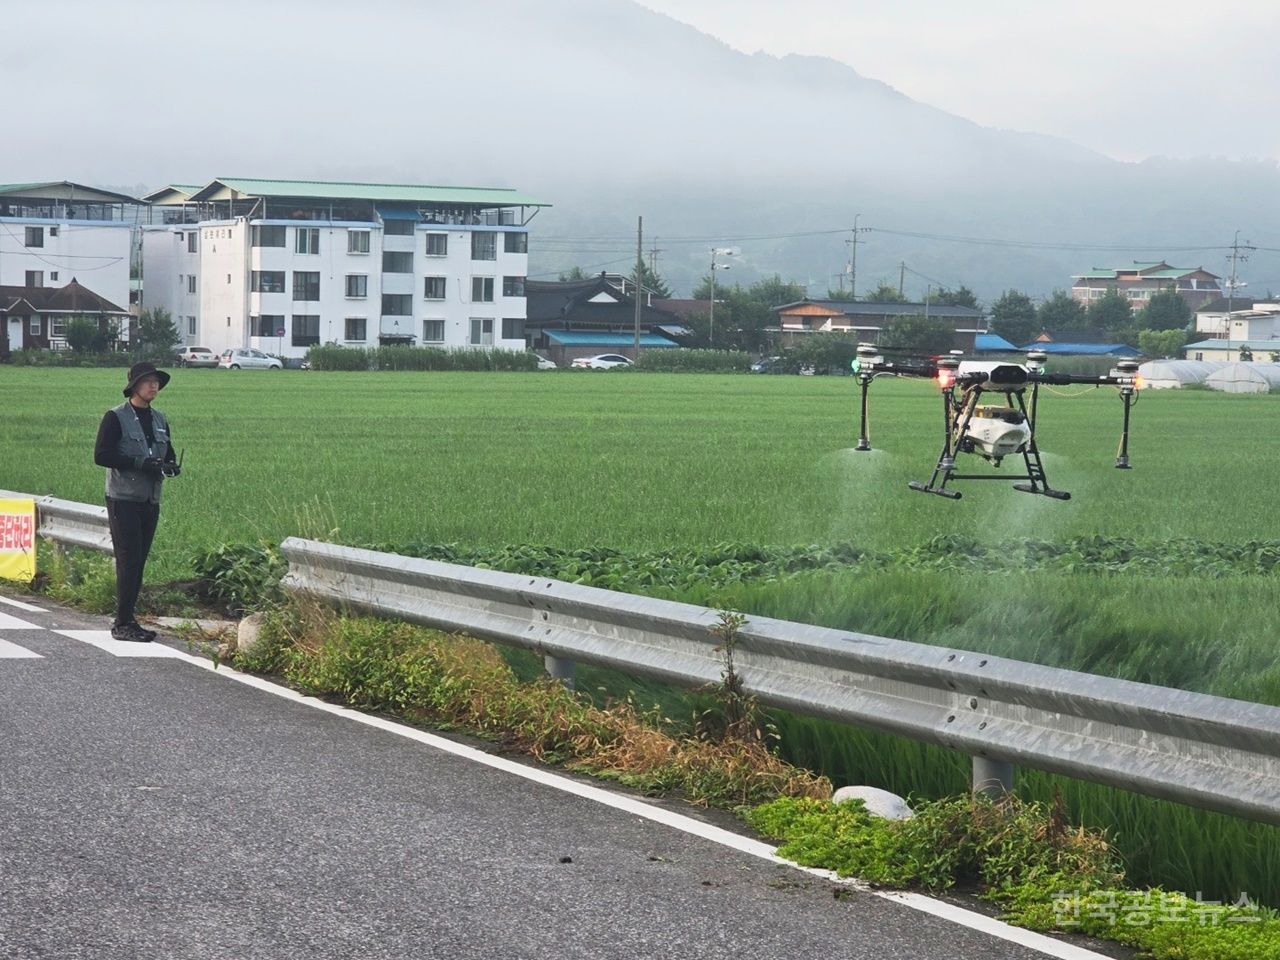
column 144, row 369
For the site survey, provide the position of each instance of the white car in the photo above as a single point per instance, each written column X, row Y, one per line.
column 196, row 357
column 603, row 361
column 545, row 364
column 248, row 359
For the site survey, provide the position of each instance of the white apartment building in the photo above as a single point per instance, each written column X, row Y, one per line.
column 285, row 265
column 54, row 232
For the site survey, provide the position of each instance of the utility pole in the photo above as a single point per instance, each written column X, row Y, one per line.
column 711, row 313
column 637, row 285
column 902, row 278
column 1236, row 258
column 653, row 256
column 853, row 257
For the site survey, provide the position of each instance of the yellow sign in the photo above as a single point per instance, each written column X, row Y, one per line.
column 18, row 540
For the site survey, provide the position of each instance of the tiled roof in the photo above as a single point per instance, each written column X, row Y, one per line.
column 863, row 308
column 70, row 298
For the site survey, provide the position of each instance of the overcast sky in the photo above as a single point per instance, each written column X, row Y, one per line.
column 1129, row 78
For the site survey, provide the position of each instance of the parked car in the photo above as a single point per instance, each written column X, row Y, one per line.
column 769, row 365
column 545, row 364
column 602, row 361
column 196, row 357
column 248, row 359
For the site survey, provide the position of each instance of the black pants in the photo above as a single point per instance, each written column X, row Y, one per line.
column 133, row 526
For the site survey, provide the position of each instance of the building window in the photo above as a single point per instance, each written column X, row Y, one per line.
column 356, row 327
column 53, row 276
column 34, row 237
column 193, row 238
column 58, row 328
column 512, row 328
column 433, row 288
column 513, row 286
column 515, row 243
column 191, row 283
column 306, row 329
column 482, row 331
column 35, row 278
column 357, row 287
column 33, row 326
column 433, row 331
column 266, row 235
column 306, row 285
column 397, row 262
column 266, row 281
column 53, row 231
column 357, row 241
column 267, row 325
column 484, row 245
column 1199, row 356
column 437, row 244
column 482, row 289
column 191, row 326
column 398, row 228
column 397, row 304
column 307, row 240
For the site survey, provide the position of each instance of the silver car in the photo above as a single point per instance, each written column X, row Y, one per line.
column 248, row 359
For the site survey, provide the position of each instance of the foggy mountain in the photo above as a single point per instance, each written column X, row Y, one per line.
column 606, row 110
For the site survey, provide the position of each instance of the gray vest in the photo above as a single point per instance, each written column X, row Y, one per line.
column 134, row 484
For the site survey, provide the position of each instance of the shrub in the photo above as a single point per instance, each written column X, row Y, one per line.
column 332, row 357
column 682, row 360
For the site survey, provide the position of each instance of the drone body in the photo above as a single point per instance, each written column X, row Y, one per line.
column 992, row 431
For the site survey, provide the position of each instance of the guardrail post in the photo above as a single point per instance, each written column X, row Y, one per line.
column 558, row 668
column 992, row 778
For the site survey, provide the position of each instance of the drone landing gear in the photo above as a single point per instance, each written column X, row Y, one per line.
column 956, row 418
column 939, row 491
column 1042, row 491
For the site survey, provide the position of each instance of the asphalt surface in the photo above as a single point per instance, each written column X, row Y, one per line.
column 150, row 808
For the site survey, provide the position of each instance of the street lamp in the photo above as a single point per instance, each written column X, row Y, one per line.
column 711, row 334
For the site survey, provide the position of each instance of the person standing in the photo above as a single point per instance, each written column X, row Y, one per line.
column 136, row 447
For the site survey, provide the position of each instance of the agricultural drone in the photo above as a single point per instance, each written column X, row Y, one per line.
column 991, row 431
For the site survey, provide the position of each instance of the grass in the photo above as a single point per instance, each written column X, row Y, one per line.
column 634, row 462
column 654, row 462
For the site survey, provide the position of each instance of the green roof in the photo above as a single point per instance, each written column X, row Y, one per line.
column 63, row 190
column 1172, row 272
column 385, row 192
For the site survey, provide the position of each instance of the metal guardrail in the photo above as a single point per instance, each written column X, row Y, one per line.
column 1193, row 748
column 68, row 522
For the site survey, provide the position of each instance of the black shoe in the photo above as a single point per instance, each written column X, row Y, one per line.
column 149, row 634
column 130, row 632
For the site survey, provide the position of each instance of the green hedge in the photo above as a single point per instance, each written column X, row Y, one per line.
column 68, row 358
column 684, row 360
column 330, row 357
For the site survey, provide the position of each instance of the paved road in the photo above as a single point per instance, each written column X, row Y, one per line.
column 152, row 808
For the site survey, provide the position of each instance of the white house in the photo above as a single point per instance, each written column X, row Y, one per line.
column 284, row 265
column 52, row 232
column 1241, row 319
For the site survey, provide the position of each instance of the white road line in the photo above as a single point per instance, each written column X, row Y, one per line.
column 120, row 648
column 966, row 918
column 22, row 606
column 11, row 651
column 13, row 623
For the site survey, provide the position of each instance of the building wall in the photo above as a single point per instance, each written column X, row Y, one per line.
column 224, row 307
column 167, row 263
column 94, row 252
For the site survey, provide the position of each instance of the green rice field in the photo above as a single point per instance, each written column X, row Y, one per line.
column 648, row 462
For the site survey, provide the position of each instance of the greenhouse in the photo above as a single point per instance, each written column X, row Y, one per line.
column 1174, row 374
column 1245, row 378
